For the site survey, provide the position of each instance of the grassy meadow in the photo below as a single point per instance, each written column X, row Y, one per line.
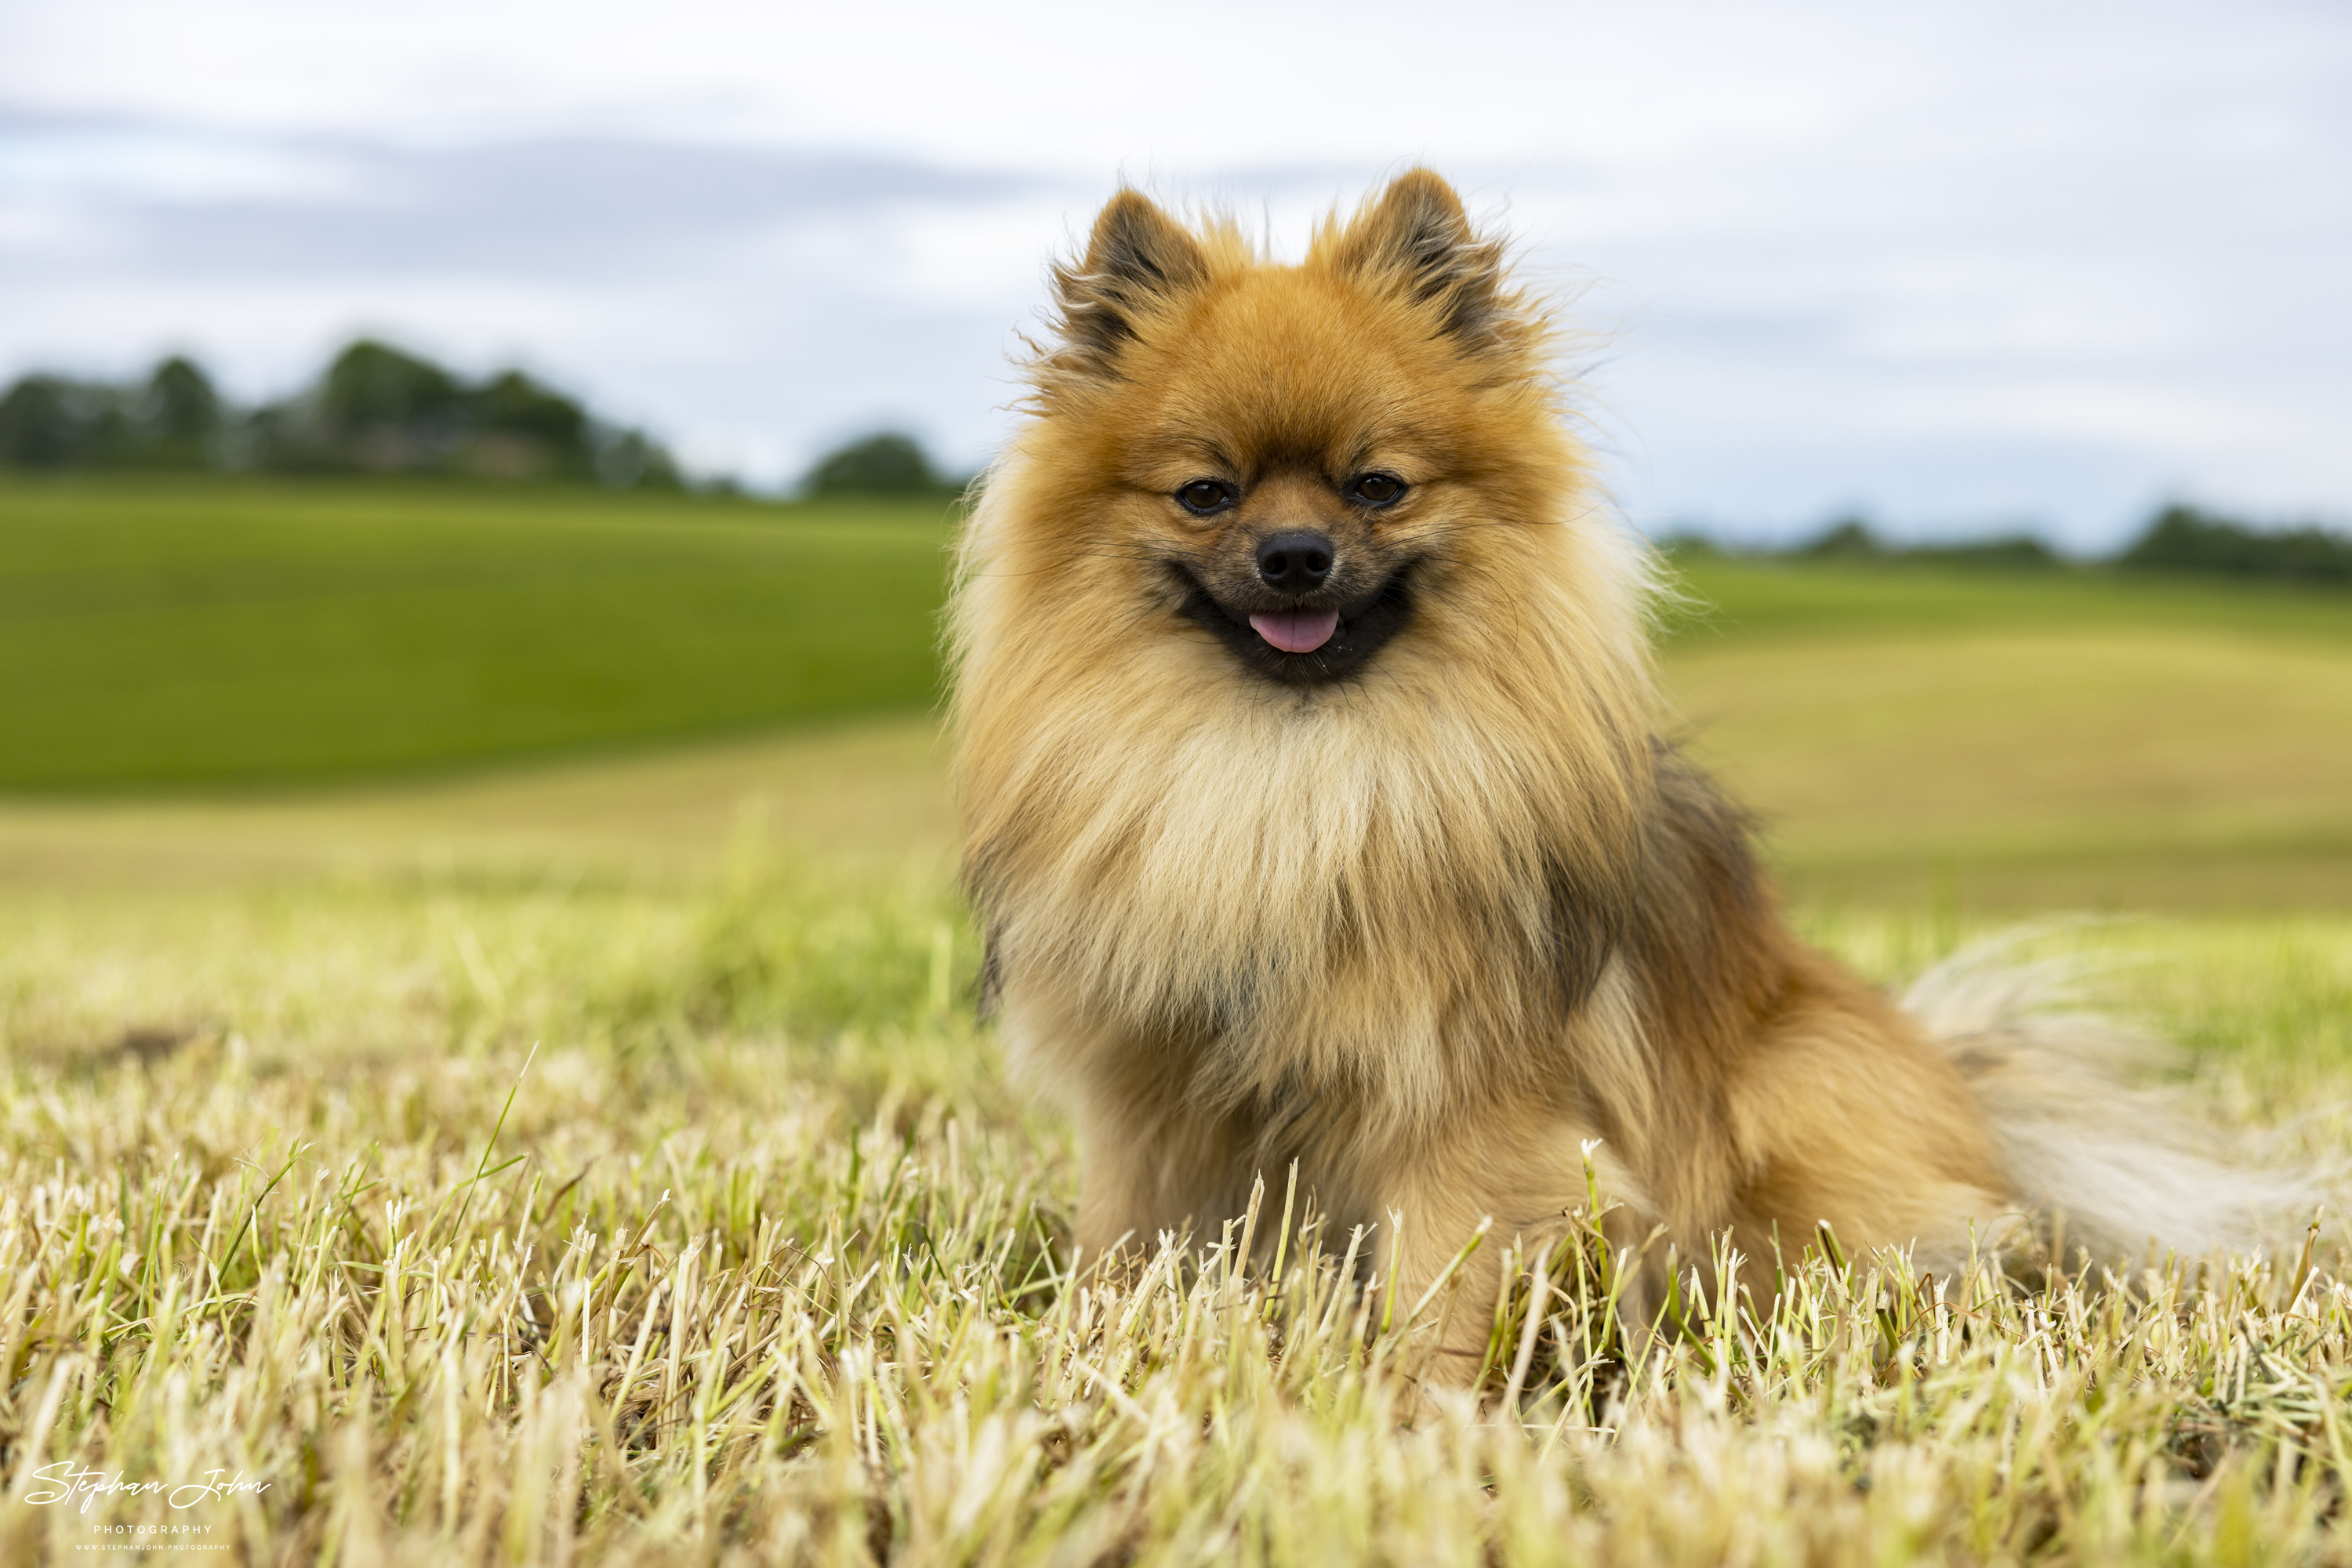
column 208, row 632
column 559, row 1131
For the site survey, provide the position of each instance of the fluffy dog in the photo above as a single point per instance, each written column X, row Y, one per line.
column 1317, row 810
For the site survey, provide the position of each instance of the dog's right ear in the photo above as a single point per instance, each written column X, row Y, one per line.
column 1138, row 261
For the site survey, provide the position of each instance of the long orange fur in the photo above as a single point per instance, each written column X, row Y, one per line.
column 1430, row 929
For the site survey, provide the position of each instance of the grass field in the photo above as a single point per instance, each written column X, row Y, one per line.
column 596, row 1159
column 182, row 633
column 174, row 633
column 607, row 1225
column 510, row 677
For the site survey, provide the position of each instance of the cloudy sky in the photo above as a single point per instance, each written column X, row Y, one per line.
column 1959, row 265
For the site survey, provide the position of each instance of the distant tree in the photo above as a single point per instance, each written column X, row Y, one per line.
column 383, row 408
column 373, row 384
column 53, row 422
column 40, row 425
column 375, row 407
column 524, row 430
column 1851, row 538
column 180, row 403
column 514, row 405
column 629, row 460
column 2010, row 551
column 886, row 464
column 2183, row 539
column 178, row 417
column 1847, row 539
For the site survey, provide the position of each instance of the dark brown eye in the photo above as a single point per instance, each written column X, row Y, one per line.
column 1376, row 489
column 1202, row 497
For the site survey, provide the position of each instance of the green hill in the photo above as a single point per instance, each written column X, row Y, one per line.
column 1730, row 600
column 204, row 632
column 200, row 632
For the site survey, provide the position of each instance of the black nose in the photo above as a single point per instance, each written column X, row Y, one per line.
column 1293, row 562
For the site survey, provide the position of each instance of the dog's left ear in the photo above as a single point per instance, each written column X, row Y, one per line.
column 1415, row 238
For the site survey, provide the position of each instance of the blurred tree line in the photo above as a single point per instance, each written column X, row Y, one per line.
column 888, row 464
column 2182, row 539
column 379, row 409
column 375, row 409
column 2177, row 539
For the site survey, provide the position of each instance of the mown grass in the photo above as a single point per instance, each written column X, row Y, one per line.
column 597, row 1223
column 192, row 633
column 2033, row 769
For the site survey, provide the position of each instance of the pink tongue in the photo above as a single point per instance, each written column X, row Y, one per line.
column 1296, row 631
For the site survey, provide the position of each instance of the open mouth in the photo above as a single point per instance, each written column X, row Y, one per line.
column 1305, row 645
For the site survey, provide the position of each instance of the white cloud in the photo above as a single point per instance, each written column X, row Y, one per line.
column 1948, row 263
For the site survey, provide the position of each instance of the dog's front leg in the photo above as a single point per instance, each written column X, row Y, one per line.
column 1147, row 1169
column 1526, row 1187
column 1151, row 1158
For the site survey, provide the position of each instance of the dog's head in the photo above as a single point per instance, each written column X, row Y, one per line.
column 1309, row 461
column 1285, row 645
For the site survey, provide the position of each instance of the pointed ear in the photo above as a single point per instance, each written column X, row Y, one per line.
column 1414, row 237
column 1138, row 260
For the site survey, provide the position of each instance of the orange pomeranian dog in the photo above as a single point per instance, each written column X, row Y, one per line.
column 1317, row 810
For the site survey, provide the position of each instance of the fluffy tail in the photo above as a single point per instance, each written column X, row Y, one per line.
column 2101, row 1160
